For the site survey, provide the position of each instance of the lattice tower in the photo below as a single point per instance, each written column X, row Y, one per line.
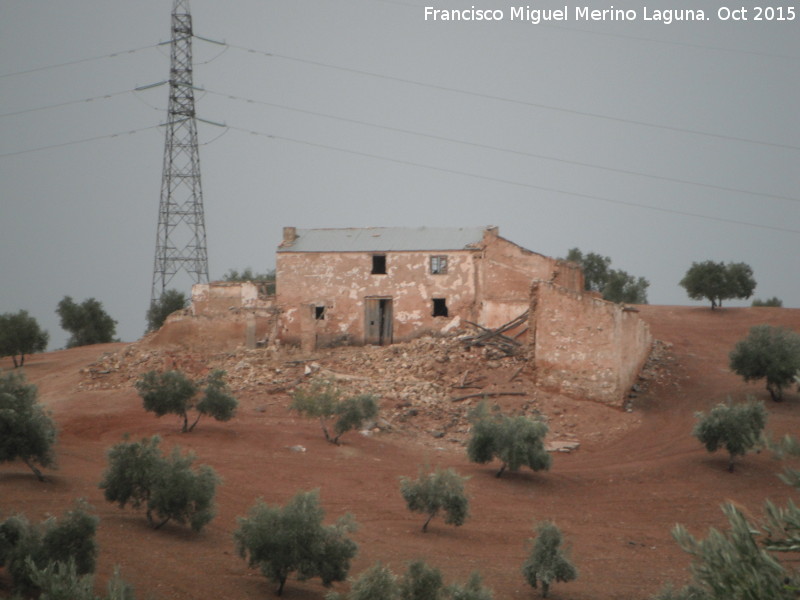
column 181, row 236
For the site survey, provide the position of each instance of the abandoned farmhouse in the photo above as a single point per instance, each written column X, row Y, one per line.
column 391, row 284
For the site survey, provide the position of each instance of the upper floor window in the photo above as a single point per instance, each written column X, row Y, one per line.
column 438, row 265
column 379, row 264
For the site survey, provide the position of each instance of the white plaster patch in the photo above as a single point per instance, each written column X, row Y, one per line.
column 405, row 316
column 453, row 324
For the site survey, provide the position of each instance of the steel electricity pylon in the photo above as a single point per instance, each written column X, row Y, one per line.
column 181, row 235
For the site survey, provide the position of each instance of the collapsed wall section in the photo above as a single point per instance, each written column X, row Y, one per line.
column 583, row 346
column 505, row 277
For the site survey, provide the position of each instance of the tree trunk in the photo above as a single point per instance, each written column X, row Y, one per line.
column 33, row 468
column 14, row 358
column 501, row 471
column 425, row 525
column 327, row 434
column 775, row 392
column 545, row 589
column 281, row 582
column 195, row 422
column 730, row 463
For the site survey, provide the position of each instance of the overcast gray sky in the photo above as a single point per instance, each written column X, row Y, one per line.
column 654, row 144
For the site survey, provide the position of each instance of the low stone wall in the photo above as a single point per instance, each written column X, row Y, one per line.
column 583, row 346
column 219, row 297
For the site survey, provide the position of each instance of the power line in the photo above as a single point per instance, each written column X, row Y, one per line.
column 515, row 183
column 413, row 132
column 486, row 96
column 83, row 141
column 81, row 60
column 506, row 150
column 67, row 103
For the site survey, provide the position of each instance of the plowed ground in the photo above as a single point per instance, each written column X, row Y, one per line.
column 615, row 499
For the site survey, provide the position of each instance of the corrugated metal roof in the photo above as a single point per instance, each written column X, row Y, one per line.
column 384, row 239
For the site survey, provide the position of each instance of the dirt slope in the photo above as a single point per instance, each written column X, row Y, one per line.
column 616, row 498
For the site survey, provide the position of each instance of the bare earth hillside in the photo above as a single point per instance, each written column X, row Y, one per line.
column 635, row 474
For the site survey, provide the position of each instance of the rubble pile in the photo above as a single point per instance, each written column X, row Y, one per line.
column 416, row 382
column 425, row 387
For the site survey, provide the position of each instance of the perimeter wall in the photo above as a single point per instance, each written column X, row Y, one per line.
column 583, row 346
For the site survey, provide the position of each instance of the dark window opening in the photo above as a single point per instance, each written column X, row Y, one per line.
column 438, row 265
column 439, row 307
column 319, row 313
column 379, row 264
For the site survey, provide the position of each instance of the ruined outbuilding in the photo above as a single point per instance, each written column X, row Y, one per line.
column 391, row 284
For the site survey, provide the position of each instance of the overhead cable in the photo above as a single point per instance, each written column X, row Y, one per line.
column 514, row 183
column 486, row 96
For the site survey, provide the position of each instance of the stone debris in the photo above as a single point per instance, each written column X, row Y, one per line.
column 415, row 382
column 561, row 446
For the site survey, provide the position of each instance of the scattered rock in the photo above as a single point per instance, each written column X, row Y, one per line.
column 562, row 446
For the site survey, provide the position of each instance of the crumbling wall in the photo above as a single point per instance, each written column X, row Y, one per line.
column 322, row 295
column 569, row 275
column 506, row 273
column 227, row 314
column 583, row 346
column 220, row 297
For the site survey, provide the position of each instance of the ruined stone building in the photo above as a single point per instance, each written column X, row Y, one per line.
column 385, row 284
column 390, row 284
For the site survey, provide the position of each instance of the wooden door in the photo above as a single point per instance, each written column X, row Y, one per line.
column 378, row 321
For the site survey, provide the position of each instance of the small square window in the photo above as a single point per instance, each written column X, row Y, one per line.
column 379, row 264
column 319, row 313
column 439, row 307
column 438, row 265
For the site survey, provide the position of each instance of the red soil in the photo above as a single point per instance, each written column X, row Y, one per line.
column 615, row 499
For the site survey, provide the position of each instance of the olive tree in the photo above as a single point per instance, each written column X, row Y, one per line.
column 267, row 279
column 548, row 562
column 376, row 583
column 61, row 581
column 614, row 285
column 735, row 427
column 472, row 589
column 733, row 564
column 169, row 302
column 441, row 490
column 324, row 400
column 419, row 582
column 27, row 432
column 26, row 547
column 172, row 392
column 515, row 441
column 88, row 322
column 167, row 486
column 773, row 302
column 770, row 353
column 20, row 334
column 280, row 540
column 743, row 563
column 716, row 281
